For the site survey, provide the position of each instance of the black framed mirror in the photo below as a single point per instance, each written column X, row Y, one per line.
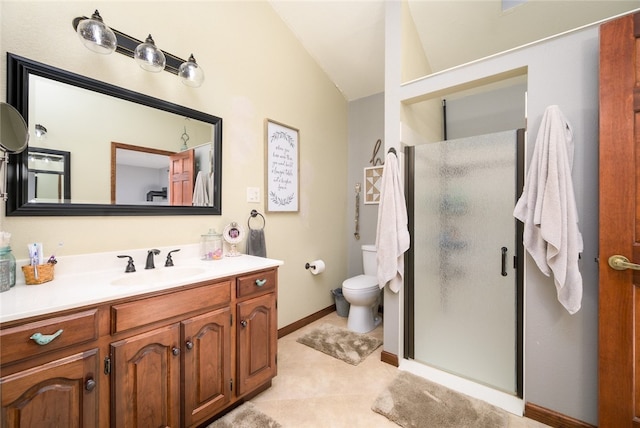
column 84, row 117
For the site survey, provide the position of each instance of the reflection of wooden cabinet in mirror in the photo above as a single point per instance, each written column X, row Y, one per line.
column 85, row 118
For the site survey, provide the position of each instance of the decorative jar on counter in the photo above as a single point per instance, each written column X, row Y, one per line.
column 7, row 269
column 211, row 246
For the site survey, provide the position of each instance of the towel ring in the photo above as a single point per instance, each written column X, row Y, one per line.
column 254, row 214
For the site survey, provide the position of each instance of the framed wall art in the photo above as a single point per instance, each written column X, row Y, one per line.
column 372, row 184
column 282, row 146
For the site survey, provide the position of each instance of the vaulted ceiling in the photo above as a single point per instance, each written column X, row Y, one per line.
column 346, row 37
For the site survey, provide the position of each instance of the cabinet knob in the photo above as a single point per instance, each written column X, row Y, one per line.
column 260, row 282
column 243, row 323
column 175, row 351
column 90, row 385
column 189, row 344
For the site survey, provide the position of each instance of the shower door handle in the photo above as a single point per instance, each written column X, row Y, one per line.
column 504, row 261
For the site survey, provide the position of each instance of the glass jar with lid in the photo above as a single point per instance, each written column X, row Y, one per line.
column 7, row 269
column 211, row 246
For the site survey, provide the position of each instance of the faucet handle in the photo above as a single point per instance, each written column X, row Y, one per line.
column 169, row 261
column 130, row 266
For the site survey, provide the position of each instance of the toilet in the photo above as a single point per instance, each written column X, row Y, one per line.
column 363, row 294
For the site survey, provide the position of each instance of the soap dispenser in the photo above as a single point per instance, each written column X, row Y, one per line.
column 7, row 263
column 211, row 246
column 7, row 269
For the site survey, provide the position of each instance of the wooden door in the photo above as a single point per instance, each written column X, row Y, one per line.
column 619, row 295
column 257, row 342
column 145, row 383
column 207, row 364
column 181, row 177
column 61, row 393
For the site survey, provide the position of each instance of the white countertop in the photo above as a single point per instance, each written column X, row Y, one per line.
column 93, row 279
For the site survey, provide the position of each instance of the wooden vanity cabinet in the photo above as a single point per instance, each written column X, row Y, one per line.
column 206, row 365
column 55, row 383
column 175, row 358
column 174, row 374
column 145, row 387
column 61, row 393
column 257, row 330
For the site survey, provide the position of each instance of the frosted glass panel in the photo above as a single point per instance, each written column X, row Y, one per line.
column 465, row 308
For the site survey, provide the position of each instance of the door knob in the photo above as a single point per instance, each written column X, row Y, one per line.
column 618, row 262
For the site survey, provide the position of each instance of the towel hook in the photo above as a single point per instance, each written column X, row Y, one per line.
column 254, row 214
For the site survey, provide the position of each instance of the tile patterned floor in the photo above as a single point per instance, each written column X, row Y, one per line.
column 315, row 390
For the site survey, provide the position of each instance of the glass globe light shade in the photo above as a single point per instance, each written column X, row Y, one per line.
column 40, row 131
column 96, row 36
column 149, row 57
column 191, row 73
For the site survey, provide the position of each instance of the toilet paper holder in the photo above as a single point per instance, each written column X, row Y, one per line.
column 316, row 267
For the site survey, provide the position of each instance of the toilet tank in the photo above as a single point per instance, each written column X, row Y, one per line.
column 369, row 261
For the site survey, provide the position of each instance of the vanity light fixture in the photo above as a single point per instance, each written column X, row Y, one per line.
column 191, row 73
column 149, row 57
column 95, row 35
column 40, row 131
column 146, row 54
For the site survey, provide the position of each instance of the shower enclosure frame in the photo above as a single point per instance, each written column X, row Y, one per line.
column 409, row 312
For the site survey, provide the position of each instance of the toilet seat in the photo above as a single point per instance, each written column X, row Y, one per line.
column 360, row 282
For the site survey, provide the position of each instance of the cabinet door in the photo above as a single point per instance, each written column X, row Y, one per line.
column 145, row 389
column 257, row 342
column 61, row 393
column 207, row 364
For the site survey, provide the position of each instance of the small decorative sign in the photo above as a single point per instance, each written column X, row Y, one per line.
column 282, row 171
column 372, row 183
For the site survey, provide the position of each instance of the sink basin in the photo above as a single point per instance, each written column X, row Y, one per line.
column 161, row 275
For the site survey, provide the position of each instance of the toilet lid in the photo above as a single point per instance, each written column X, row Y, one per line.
column 360, row 282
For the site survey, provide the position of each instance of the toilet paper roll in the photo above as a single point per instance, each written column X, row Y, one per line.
column 317, row 267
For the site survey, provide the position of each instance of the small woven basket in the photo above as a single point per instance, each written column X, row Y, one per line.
column 45, row 274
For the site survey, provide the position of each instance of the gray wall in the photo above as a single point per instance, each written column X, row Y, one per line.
column 561, row 370
column 366, row 126
column 561, row 366
column 497, row 110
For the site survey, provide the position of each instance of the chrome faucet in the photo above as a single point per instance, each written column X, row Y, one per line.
column 150, row 254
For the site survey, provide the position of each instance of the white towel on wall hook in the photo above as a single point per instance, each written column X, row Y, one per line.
column 547, row 207
column 392, row 237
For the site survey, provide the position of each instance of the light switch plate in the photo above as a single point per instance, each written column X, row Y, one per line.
column 253, row 194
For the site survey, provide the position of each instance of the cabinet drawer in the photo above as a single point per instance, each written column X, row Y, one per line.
column 257, row 283
column 76, row 328
column 126, row 316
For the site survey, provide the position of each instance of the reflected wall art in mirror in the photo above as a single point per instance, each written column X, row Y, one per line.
column 132, row 154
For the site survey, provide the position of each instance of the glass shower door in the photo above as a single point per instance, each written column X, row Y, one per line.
column 465, row 282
